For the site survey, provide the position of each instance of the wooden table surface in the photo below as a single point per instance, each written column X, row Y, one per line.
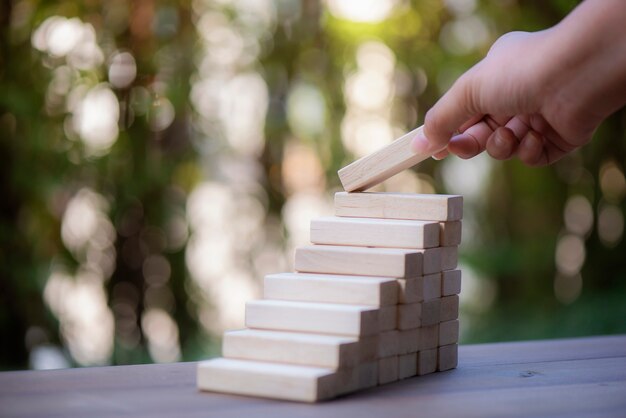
column 571, row 378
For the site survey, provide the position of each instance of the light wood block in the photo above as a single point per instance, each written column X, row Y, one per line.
column 426, row 362
column 450, row 233
column 449, row 332
column 378, row 166
column 450, row 282
column 299, row 348
column 410, row 290
column 449, row 258
column 385, row 262
column 431, row 286
column 368, row 375
column 429, row 337
column 365, row 232
column 449, row 308
column 448, row 357
column 388, row 343
column 387, row 370
column 421, row 207
column 409, row 341
column 409, row 316
column 431, row 312
column 407, row 366
column 273, row 380
column 353, row 290
column 388, row 318
column 324, row 318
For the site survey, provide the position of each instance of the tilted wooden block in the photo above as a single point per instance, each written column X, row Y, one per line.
column 431, row 312
column 377, row 167
column 424, row 207
column 387, row 318
column 449, row 332
column 385, row 262
column 326, row 288
column 449, row 258
column 364, row 232
column 450, row 282
column 449, row 308
column 387, row 370
column 323, row 318
column 431, row 286
column 426, row 361
column 448, row 357
column 429, row 337
column 296, row 383
column 409, row 341
column 407, row 365
column 450, row 233
column 388, row 343
column 299, row 348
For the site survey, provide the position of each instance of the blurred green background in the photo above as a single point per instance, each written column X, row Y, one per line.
column 157, row 158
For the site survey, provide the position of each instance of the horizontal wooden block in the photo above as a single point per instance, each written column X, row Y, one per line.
column 299, row 348
column 426, row 362
column 429, row 337
column 450, row 233
column 296, row 383
column 324, row 318
column 449, row 332
column 407, row 366
column 326, row 288
column 409, row 316
column 387, row 318
column 387, row 370
column 450, row 282
column 421, row 207
column 410, row 290
column 388, row 343
column 449, row 258
column 385, row 262
column 431, row 286
column 431, row 312
column 377, row 167
column 449, row 308
column 409, row 341
column 368, row 375
column 448, row 357
column 364, row 232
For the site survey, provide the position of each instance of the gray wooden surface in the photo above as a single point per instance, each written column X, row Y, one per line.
column 570, row 378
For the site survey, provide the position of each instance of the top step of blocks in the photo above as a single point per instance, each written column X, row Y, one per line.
column 423, row 207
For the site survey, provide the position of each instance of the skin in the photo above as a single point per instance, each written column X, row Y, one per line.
column 536, row 96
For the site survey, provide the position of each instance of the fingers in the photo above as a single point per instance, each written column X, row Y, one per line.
column 502, row 144
column 531, row 149
column 471, row 142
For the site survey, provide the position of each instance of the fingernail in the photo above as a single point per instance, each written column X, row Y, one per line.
column 420, row 144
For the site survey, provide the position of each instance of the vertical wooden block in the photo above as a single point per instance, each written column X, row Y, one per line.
column 385, row 262
column 388, row 318
column 388, row 343
column 449, row 332
column 387, row 370
column 450, row 233
column 409, row 316
column 409, row 341
column 426, row 362
column 448, row 357
column 449, row 258
column 425, row 207
column 429, row 337
column 450, row 282
column 407, row 365
column 431, row 286
column 449, row 308
column 431, row 312
column 367, row 232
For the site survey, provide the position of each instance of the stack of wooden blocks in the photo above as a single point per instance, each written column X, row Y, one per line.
column 374, row 300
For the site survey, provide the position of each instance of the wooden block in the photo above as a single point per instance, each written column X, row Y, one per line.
column 449, row 258
column 407, row 365
column 377, row 167
column 409, row 316
column 450, row 233
column 368, row 375
column 364, row 232
column 448, row 357
column 431, row 312
column 450, row 282
column 426, row 362
column 252, row 378
column 410, row 290
column 387, row 370
column 353, row 290
column 431, row 260
column 421, row 207
column 388, row 318
column 429, row 337
column 409, row 341
column 449, row 308
column 449, row 332
column 388, row 343
column 328, row 351
column 385, row 262
column 324, row 318
column 431, row 286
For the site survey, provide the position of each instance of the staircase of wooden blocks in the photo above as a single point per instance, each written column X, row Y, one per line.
column 374, row 300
